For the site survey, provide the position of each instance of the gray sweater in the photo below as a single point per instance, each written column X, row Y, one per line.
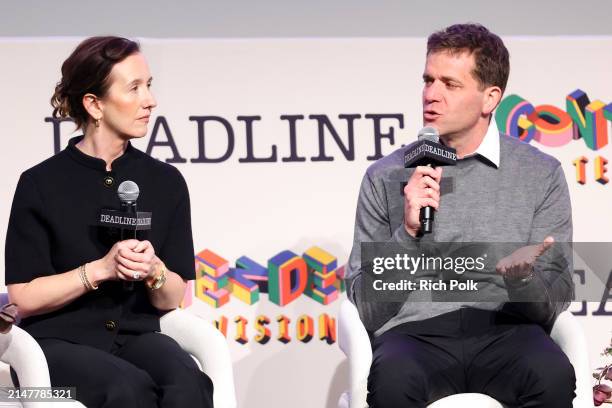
column 522, row 201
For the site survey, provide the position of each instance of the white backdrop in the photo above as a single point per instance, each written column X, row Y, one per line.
column 261, row 209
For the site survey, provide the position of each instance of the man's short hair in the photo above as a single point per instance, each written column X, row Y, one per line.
column 490, row 54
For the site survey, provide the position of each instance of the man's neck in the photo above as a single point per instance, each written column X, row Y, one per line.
column 467, row 142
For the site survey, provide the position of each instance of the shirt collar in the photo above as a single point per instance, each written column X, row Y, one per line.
column 489, row 147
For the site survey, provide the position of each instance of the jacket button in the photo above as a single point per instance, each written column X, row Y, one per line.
column 109, row 181
column 110, row 325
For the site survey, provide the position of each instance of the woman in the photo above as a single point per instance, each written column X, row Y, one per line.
column 90, row 299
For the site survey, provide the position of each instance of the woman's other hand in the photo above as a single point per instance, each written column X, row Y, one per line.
column 109, row 267
column 138, row 262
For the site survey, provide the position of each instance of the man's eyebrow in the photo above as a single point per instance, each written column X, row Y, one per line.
column 451, row 79
column 444, row 78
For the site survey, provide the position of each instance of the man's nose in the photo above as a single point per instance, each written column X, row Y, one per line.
column 432, row 92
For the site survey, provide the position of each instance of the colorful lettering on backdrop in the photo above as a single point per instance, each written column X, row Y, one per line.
column 315, row 274
column 550, row 126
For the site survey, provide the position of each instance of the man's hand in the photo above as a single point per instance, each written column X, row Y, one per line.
column 422, row 190
column 519, row 264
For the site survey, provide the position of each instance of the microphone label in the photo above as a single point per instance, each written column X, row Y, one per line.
column 119, row 219
column 426, row 151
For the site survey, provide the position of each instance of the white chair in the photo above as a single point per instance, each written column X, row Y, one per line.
column 355, row 343
column 195, row 335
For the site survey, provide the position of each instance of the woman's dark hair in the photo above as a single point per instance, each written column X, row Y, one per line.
column 490, row 54
column 87, row 70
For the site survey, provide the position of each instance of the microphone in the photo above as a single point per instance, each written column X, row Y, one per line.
column 128, row 220
column 428, row 151
column 128, row 193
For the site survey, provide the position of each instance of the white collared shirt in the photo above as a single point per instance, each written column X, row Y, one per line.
column 489, row 147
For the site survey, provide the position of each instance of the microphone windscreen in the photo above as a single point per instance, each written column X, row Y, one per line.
column 429, row 133
column 128, row 191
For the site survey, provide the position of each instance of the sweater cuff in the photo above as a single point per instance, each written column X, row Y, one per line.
column 532, row 291
column 402, row 236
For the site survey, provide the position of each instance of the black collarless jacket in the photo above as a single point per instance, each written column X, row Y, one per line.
column 53, row 228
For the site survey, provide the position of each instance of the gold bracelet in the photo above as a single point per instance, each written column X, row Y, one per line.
column 159, row 280
column 82, row 278
column 85, row 279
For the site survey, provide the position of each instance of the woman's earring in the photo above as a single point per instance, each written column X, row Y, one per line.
column 97, row 122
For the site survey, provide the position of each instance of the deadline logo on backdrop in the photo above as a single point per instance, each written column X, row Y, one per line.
column 287, row 276
column 553, row 127
column 515, row 116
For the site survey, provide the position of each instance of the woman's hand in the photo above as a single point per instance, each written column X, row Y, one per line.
column 107, row 268
column 138, row 262
column 129, row 260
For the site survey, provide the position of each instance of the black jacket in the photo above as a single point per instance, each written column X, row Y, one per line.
column 53, row 228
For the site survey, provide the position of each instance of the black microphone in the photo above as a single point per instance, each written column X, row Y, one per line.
column 428, row 151
column 128, row 220
column 128, row 193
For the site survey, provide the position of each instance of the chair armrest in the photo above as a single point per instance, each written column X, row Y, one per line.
column 19, row 350
column 354, row 341
column 203, row 341
column 569, row 335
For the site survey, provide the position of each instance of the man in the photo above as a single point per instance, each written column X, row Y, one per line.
column 501, row 190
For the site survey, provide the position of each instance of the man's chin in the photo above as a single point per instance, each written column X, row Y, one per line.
column 434, row 124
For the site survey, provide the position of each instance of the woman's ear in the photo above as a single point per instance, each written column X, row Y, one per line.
column 93, row 106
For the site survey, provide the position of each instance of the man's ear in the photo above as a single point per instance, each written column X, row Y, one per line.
column 492, row 97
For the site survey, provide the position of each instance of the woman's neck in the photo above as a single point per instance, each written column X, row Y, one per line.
column 95, row 144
